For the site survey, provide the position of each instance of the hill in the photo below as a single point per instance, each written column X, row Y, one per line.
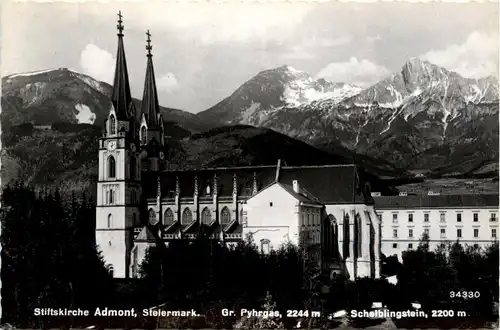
column 65, row 155
column 62, row 95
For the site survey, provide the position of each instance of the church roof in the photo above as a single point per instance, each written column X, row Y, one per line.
column 145, row 235
column 436, row 201
column 299, row 196
column 150, row 106
column 223, row 180
column 330, row 184
column 121, row 97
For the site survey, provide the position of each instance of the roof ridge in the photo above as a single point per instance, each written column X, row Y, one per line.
column 260, row 166
column 319, row 166
column 221, row 168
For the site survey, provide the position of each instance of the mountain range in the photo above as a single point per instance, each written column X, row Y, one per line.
column 63, row 95
column 422, row 118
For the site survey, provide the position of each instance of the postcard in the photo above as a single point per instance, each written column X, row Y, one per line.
column 249, row 165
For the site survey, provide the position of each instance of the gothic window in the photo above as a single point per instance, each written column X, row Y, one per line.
column 111, row 167
column 152, row 217
column 134, row 263
column 112, row 124
column 168, row 217
column 187, row 216
column 143, row 135
column 346, row 238
column 111, row 196
column 206, row 216
column 111, row 270
column 134, row 219
column 110, row 221
column 133, row 166
column 207, row 190
column 265, row 245
column 225, row 216
column 335, row 236
column 359, row 237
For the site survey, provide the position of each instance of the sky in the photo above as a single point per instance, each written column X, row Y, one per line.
column 204, row 51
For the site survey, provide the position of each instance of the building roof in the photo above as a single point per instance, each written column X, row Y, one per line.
column 145, row 235
column 436, row 201
column 330, row 184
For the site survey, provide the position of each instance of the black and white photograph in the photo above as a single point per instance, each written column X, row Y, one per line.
column 249, row 165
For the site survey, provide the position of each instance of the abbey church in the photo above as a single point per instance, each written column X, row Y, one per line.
column 329, row 209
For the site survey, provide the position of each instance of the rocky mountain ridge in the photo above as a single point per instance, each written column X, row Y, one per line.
column 421, row 117
column 63, row 95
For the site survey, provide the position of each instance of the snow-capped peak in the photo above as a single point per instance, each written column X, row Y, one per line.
column 59, row 72
column 291, row 69
column 28, row 74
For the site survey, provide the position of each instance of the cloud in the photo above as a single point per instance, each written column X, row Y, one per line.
column 477, row 57
column 167, row 83
column 361, row 72
column 328, row 42
column 308, row 49
column 97, row 63
column 299, row 53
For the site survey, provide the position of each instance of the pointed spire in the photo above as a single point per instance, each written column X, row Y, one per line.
column 235, row 184
column 121, row 98
column 150, row 106
column 177, row 186
column 215, row 184
column 196, row 185
column 158, row 187
column 254, row 188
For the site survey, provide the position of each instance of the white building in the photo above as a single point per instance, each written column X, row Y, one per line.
column 468, row 219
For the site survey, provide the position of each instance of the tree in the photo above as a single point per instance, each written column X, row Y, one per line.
column 268, row 321
column 49, row 261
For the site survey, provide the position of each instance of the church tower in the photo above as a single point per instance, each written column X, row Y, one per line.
column 152, row 134
column 118, row 186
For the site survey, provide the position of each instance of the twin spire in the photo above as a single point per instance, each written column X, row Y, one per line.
column 150, row 106
column 122, row 97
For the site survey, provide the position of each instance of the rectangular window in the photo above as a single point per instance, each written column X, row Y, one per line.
column 493, row 217
column 459, row 233
column 410, row 233
column 476, row 217
column 443, row 232
column 476, row 233
column 459, row 217
column 426, row 217
column 493, row 233
column 442, row 217
column 264, row 246
column 394, row 217
column 395, row 245
column 426, row 231
column 395, row 233
column 410, row 217
column 410, row 246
